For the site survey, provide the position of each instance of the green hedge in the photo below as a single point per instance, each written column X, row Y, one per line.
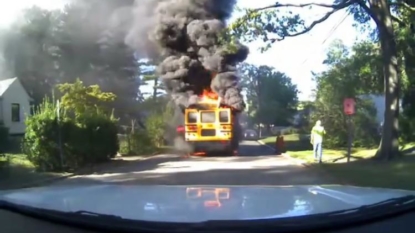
column 4, row 138
column 85, row 140
column 137, row 143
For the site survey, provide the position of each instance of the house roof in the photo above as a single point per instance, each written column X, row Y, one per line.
column 5, row 84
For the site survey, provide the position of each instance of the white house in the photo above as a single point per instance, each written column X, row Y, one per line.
column 14, row 105
column 379, row 103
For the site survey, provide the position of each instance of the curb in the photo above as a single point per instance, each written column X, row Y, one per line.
column 80, row 172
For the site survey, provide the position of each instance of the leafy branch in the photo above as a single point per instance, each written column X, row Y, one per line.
column 267, row 23
column 401, row 7
column 403, row 4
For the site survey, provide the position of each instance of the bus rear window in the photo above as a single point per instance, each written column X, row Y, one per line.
column 223, row 116
column 208, row 116
column 192, row 117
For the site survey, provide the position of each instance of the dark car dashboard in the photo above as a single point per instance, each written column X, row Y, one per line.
column 11, row 222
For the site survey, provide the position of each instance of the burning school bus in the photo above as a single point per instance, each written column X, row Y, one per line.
column 210, row 126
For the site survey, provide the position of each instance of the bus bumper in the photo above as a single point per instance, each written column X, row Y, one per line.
column 212, row 146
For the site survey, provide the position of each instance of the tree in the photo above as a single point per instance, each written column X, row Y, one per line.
column 30, row 52
column 269, row 25
column 360, row 65
column 304, row 109
column 92, row 48
column 84, row 40
column 355, row 73
column 271, row 96
column 149, row 76
column 83, row 99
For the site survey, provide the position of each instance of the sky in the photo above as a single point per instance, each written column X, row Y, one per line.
column 297, row 57
column 9, row 10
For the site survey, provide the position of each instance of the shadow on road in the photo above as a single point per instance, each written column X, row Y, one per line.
column 252, row 149
column 170, row 170
column 256, row 165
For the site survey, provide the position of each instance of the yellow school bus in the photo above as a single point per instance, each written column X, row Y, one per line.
column 211, row 129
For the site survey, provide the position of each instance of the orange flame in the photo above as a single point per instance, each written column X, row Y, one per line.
column 208, row 96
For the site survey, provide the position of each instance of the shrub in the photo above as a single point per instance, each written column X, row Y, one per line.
column 156, row 127
column 140, row 143
column 86, row 139
column 407, row 128
column 4, row 137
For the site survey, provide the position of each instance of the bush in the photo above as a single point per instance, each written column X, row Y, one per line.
column 140, row 143
column 407, row 128
column 156, row 129
column 4, row 137
column 135, row 140
column 85, row 140
column 147, row 141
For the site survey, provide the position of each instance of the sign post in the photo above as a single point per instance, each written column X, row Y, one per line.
column 349, row 110
column 58, row 111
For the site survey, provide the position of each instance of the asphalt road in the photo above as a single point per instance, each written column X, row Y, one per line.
column 256, row 165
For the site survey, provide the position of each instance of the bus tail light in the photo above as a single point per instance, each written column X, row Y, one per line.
column 191, row 128
column 180, row 129
column 226, row 127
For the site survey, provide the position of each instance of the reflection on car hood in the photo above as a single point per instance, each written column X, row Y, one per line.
column 200, row 203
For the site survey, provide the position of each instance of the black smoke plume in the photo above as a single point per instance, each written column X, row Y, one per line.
column 187, row 32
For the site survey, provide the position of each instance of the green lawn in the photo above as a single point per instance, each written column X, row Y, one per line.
column 293, row 142
column 16, row 170
column 398, row 174
column 361, row 171
column 19, row 171
column 333, row 156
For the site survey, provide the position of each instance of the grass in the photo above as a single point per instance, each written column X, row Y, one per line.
column 333, row 156
column 293, row 142
column 17, row 170
column 399, row 174
column 361, row 171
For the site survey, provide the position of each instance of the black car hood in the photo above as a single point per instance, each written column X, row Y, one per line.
column 200, row 203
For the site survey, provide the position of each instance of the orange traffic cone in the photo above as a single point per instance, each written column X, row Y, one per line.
column 279, row 145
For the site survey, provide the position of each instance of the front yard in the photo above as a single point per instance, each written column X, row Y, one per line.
column 361, row 171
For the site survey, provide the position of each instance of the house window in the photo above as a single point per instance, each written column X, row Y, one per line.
column 15, row 112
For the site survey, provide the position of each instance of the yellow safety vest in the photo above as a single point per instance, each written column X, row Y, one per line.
column 317, row 134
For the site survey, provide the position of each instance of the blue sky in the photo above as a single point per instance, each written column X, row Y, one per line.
column 296, row 57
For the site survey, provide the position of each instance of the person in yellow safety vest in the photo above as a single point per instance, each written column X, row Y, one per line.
column 316, row 140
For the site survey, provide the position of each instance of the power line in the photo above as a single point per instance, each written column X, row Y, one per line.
column 331, row 32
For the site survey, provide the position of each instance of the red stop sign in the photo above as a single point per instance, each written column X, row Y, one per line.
column 349, row 106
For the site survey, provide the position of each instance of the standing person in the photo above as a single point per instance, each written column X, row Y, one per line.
column 317, row 134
